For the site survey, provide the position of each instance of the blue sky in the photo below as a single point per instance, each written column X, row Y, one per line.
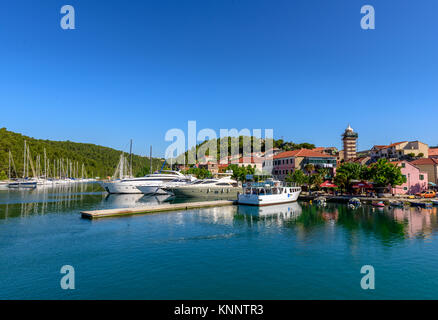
column 135, row 69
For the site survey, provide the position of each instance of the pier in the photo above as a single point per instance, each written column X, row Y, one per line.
column 121, row 212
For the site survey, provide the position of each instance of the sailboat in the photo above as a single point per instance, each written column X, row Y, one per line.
column 25, row 182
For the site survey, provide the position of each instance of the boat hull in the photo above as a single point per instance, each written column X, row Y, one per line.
column 267, row 200
column 152, row 190
column 24, row 185
column 212, row 192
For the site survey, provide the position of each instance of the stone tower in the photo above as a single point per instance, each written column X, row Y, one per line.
column 349, row 138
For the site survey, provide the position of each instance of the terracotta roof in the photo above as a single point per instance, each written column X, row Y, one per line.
column 302, row 153
column 423, row 161
column 394, row 144
column 388, row 146
column 433, row 152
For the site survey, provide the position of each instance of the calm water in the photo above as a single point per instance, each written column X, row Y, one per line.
column 294, row 251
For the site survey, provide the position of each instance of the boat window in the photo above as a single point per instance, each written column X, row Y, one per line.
column 223, row 184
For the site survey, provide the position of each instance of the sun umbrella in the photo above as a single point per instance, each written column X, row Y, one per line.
column 328, row 184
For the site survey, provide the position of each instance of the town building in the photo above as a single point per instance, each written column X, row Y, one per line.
column 327, row 150
column 404, row 150
column 416, row 179
column 349, row 139
column 288, row 161
column 210, row 166
column 433, row 152
column 429, row 165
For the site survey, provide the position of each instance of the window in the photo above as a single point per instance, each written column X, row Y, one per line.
column 421, row 177
column 405, row 188
column 403, row 165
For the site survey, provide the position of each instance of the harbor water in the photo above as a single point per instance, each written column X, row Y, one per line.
column 291, row 251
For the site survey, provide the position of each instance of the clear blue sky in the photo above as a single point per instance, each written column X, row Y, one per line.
column 134, row 69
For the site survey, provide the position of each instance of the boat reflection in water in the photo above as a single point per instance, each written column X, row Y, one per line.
column 134, row 200
column 275, row 213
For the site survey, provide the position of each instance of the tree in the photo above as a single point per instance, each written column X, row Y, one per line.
column 384, row 173
column 420, row 155
column 3, row 175
column 309, row 168
column 200, row 173
column 297, row 177
column 324, row 172
column 342, row 180
column 240, row 173
column 316, row 179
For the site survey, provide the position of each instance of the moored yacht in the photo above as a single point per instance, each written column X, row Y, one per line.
column 149, row 184
column 268, row 193
column 23, row 183
column 208, row 188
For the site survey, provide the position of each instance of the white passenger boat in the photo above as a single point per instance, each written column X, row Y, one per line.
column 268, row 193
column 149, row 184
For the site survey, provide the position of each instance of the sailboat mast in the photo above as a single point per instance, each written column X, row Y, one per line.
column 9, row 168
column 45, row 164
column 150, row 158
column 24, row 160
column 130, row 160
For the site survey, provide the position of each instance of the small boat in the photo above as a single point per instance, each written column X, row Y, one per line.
column 434, row 202
column 378, row 204
column 268, row 193
column 354, row 203
column 320, row 201
column 396, row 204
column 422, row 204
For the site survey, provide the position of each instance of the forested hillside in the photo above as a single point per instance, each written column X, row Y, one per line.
column 98, row 160
column 242, row 143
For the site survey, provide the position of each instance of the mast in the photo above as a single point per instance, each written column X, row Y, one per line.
column 45, row 164
column 130, row 160
column 24, row 160
column 150, row 158
column 9, row 168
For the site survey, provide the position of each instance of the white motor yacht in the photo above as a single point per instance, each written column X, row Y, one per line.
column 149, row 184
column 208, row 188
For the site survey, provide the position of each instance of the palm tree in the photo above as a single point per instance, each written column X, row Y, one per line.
column 309, row 168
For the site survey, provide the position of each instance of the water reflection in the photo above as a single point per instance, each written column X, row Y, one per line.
column 269, row 215
column 134, row 200
column 387, row 224
column 45, row 199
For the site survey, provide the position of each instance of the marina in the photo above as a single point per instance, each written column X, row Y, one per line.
column 224, row 248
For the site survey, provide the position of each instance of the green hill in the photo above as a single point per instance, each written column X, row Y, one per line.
column 254, row 143
column 98, row 160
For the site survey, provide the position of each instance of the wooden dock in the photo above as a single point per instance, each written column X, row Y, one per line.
column 96, row 214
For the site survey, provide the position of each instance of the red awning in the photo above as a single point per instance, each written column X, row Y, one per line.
column 328, row 184
column 362, row 185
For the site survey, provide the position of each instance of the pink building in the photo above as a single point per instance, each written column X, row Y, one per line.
column 288, row 161
column 416, row 180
